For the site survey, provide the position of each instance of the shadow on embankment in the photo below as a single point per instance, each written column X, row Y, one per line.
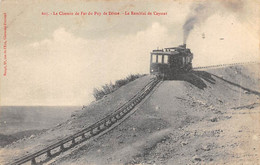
column 196, row 78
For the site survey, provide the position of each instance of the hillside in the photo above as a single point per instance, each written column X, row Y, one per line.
column 199, row 118
column 202, row 120
column 79, row 120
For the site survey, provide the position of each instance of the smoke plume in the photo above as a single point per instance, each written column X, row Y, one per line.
column 200, row 12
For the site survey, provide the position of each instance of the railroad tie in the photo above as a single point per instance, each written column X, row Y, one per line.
column 73, row 141
column 83, row 136
column 49, row 153
column 62, row 147
column 106, row 124
column 129, row 108
column 93, row 129
column 111, row 119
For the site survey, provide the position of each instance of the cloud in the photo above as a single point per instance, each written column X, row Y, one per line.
column 64, row 69
column 200, row 12
column 239, row 43
column 60, row 65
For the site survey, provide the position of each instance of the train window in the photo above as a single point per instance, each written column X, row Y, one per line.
column 183, row 60
column 159, row 58
column 165, row 59
column 153, row 58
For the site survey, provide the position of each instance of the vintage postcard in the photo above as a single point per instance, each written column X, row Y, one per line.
column 129, row 82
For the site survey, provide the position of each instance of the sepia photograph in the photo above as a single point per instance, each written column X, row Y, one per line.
column 129, row 82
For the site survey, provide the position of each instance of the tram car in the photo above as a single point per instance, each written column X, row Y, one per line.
column 169, row 62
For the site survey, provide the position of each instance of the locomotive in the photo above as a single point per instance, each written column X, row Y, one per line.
column 169, row 62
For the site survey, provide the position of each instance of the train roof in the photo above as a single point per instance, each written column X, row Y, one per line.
column 165, row 52
column 172, row 53
column 181, row 49
column 176, row 48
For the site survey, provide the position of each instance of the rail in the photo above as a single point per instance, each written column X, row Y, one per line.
column 222, row 65
column 99, row 126
column 89, row 132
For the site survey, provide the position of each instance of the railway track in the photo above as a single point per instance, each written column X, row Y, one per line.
column 93, row 130
column 222, row 65
column 97, row 128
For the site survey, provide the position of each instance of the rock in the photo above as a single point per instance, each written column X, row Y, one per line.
column 183, row 143
column 32, row 136
column 246, row 92
column 213, row 119
column 149, row 162
column 218, row 112
column 196, row 158
column 205, row 147
column 228, row 117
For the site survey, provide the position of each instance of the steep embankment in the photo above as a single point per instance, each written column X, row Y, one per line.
column 200, row 118
column 82, row 119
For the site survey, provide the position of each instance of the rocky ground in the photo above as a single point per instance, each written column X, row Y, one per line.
column 205, row 117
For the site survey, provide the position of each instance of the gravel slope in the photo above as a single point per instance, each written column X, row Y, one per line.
column 78, row 121
column 199, row 119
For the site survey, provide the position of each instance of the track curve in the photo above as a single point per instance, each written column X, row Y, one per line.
column 95, row 129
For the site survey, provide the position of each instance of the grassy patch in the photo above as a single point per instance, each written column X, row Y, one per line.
column 109, row 88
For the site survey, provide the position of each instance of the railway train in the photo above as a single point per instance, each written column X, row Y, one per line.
column 169, row 62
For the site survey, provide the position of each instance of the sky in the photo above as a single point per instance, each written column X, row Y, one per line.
column 58, row 60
